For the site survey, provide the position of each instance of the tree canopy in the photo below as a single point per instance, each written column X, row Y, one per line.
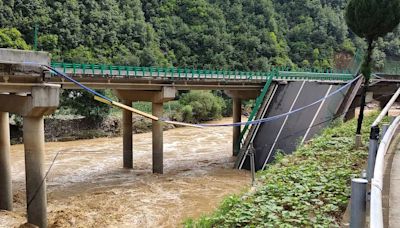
column 12, row 38
column 372, row 19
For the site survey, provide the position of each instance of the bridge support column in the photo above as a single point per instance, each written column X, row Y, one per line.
column 237, row 117
column 157, row 133
column 6, row 197
column 43, row 100
column 157, row 98
column 237, row 97
column 34, row 168
column 32, row 102
column 127, row 137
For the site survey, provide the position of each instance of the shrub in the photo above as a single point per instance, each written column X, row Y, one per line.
column 205, row 106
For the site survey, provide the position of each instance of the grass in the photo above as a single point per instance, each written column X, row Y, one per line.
column 310, row 188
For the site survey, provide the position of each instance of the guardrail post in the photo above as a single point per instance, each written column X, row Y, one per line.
column 358, row 202
column 372, row 149
column 252, row 164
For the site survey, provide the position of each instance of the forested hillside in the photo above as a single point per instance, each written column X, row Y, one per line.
column 229, row 34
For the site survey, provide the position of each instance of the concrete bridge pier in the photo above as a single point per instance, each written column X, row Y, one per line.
column 157, row 137
column 237, row 97
column 237, row 117
column 127, row 143
column 40, row 101
column 34, row 170
column 157, row 98
column 6, row 197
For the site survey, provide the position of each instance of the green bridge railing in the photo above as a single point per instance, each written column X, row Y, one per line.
column 391, row 67
column 97, row 70
column 255, row 109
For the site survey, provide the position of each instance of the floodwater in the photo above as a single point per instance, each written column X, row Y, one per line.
column 88, row 188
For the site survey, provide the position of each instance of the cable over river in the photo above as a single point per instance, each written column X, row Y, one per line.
column 88, row 188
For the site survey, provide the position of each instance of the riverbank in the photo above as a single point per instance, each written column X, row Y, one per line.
column 88, row 188
column 309, row 188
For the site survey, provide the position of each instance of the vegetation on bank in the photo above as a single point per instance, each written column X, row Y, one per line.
column 309, row 188
column 192, row 107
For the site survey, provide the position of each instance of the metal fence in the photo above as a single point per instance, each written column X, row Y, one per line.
column 101, row 70
column 374, row 175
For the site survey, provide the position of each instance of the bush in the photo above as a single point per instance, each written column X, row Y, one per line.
column 80, row 102
column 187, row 114
column 204, row 106
column 12, row 38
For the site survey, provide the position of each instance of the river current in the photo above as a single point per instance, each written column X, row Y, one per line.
column 88, row 188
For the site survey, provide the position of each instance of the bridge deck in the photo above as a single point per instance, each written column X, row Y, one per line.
column 187, row 74
column 145, row 78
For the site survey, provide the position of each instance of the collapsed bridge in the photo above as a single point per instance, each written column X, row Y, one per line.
column 29, row 90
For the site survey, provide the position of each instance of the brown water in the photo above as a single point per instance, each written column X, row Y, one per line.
column 88, row 188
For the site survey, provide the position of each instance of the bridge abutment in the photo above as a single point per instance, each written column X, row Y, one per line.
column 127, row 143
column 6, row 197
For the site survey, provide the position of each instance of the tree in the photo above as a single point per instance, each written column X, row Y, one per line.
column 370, row 20
column 12, row 38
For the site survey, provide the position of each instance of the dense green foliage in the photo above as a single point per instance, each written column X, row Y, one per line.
column 12, row 38
column 201, row 106
column 242, row 35
column 310, row 188
column 192, row 107
column 80, row 102
column 372, row 19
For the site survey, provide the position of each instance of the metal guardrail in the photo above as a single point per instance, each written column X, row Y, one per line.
column 374, row 174
column 255, row 109
column 185, row 73
column 376, row 210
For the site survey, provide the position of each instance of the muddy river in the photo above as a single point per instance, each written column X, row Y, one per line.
column 88, row 188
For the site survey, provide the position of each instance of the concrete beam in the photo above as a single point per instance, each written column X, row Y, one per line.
column 22, row 63
column 166, row 94
column 43, row 100
column 34, row 169
column 237, row 117
column 157, row 85
column 243, row 94
column 14, row 56
column 127, row 145
column 157, row 136
column 6, row 197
